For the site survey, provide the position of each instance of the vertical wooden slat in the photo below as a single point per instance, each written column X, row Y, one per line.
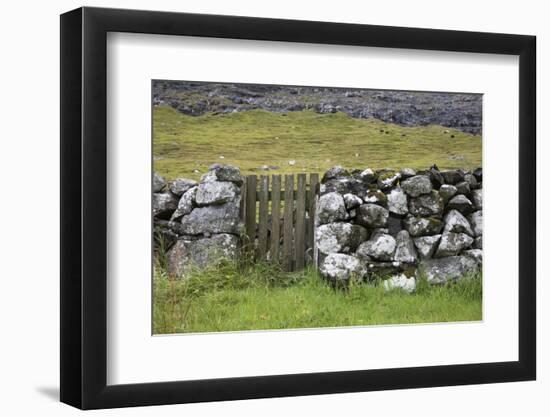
column 250, row 224
column 312, row 201
column 300, row 230
column 262, row 229
column 242, row 207
column 275, row 217
column 288, row 223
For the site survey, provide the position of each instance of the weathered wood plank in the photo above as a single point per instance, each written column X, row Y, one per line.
column 263, row 210
column 300, row 230
column 242, row 206
column 275, row 217
column 288, row 226
column 312, row 201
column 270, row 197
column 250, row 223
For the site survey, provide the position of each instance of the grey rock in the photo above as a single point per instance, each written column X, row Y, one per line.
column 372, row 215
column 407, row 173
column 375, row 197
column 452, row 244
column 476, row 220
column 472, row 181
column 341, row 186
column 401, row 282
column 461, row 203
column 181, row 185
column 175, row 226
column 447, row 191
column 334, row 173
column 463, row 188
column 222, row 218
column 352, row 201
column 158, row 183
column 426, row 245
column 367, row 176
column 330, row 208
column 453, row 176
column 338, row 267
column 404, row 250
column 380, row 247
column 339, row 237
column 436, row 178
column 394, row 224
column 164, row 204
column 477, row 199
column 452, row 268
column 421, row 226
column 185, row 204
column 417, row 185
column 457, row 223
column 216, row 192
column 426, row 205
column 387, row 179
column 478, row 243
column 379, row 230
column 478, row 173
column 187, row 255
column 218, row 172
column 397, row 201
column 476, row 254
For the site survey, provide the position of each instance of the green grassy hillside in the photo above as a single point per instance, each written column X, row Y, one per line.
column 183, row 145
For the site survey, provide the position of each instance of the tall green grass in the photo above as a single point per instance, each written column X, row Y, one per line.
column 231, row 297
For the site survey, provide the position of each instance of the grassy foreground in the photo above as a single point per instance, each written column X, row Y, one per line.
column 251, row 139
column 259, row 297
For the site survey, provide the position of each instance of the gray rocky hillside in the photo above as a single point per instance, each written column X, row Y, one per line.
column 406, row 108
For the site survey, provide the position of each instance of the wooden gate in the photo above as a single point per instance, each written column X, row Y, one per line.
column 279, row 221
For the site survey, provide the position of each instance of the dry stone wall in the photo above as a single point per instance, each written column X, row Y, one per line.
column 398, row 224
column 197, row 223
column 391, row 224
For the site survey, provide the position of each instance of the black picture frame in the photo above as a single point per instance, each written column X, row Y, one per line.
column 84, row 207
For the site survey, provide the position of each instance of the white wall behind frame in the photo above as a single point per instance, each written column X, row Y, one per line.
column 30, row 346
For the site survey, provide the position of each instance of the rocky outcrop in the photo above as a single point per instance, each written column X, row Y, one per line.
column 459, row 111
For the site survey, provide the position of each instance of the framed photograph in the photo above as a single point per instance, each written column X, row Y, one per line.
column 259, row 208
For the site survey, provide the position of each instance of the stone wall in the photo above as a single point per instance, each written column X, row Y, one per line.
column 196, row 224
column 386, row 223
column 396, row 224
